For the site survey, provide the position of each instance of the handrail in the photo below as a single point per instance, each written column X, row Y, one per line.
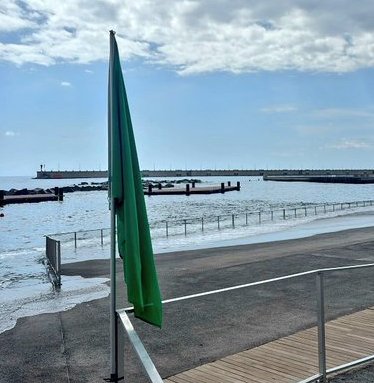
column 53, row 255
column 145, row 359
column 323, row 371
column 197, row 220
column 257, row 283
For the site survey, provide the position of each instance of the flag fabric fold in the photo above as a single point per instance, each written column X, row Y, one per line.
column 133, row 234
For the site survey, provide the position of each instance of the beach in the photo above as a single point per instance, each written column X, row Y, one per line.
column 73, row 345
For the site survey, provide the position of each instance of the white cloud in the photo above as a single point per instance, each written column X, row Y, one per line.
column 89, row 71
column 13, row 17
column 279, row 109
column 10, row 133
column 195, row 36
column 65, row 83
column 349, row 144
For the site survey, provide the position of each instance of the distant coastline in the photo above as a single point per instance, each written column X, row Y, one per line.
column 71, row 174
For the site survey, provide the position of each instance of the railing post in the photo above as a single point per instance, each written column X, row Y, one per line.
column 167, row 228
column 46, row 247
column 259, row 217
column 333, row 207
column 272, row 215
column 75, row 239
column 305, row 210
column 321, row 326
column 185, row 227
column 233, row 220
column 341, row 206
column 246, row 219
column 315, row 210
column 101, row 237
column 295, row 213
column 218, row 222
column 202, row 223
column 284, row 213
column 59, row 263
column 324, row 208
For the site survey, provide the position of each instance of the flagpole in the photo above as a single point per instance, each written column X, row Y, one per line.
column 113, row 327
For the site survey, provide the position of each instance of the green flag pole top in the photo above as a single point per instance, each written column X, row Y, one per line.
column 133, row 235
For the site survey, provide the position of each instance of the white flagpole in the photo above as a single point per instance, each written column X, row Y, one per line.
column 113, row 327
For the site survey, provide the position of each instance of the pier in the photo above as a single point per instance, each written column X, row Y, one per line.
column 31, row 198
column 191, row 189
column 71, row 174
column 333, row 179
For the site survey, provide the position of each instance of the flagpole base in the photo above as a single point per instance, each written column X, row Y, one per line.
column 114, row 378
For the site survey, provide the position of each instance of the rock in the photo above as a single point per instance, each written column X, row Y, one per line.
column 38, row 191
column 10, row 192
column 21, row 192
column 68, row 189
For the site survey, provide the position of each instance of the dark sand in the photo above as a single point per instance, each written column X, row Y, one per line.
column 73, row 346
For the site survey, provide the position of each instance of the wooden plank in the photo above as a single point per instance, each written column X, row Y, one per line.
column 286, row 364
column 237, row 366
column 259, row 370
column 291, row 358
column 278, row 357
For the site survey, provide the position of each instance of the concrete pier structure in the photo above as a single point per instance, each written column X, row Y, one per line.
column 70, row 174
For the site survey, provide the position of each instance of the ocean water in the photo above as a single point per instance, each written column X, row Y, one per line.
column 24, row 285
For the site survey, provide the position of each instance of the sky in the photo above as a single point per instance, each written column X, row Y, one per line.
column 217, row 84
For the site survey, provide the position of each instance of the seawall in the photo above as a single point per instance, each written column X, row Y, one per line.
column 67, row 174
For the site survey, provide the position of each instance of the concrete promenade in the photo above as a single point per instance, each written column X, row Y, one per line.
column 73, row 346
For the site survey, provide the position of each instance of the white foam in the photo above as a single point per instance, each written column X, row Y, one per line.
column 41, row 298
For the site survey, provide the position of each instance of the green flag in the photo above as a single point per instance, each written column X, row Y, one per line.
column 133, row 235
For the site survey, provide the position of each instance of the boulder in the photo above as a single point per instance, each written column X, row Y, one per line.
column 21, row 192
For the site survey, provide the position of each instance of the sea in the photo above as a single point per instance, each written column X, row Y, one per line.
column 177, row 223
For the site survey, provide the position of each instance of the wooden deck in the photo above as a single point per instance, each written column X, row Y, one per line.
column 293, row 358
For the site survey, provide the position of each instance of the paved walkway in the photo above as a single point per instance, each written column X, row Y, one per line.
column 292, row 358
column 199, row 331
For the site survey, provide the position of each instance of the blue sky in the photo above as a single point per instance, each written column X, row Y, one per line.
column 210, row 84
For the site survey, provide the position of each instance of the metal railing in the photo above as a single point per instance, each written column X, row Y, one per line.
column 185, row 226
column 53, row 254
column 124, row 325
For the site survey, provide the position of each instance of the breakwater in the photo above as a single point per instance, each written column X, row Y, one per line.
column 15, row 196
column 70, row 174
column 332, row 179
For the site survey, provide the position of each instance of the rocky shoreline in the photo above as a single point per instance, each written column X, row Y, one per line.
column 96, row 186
